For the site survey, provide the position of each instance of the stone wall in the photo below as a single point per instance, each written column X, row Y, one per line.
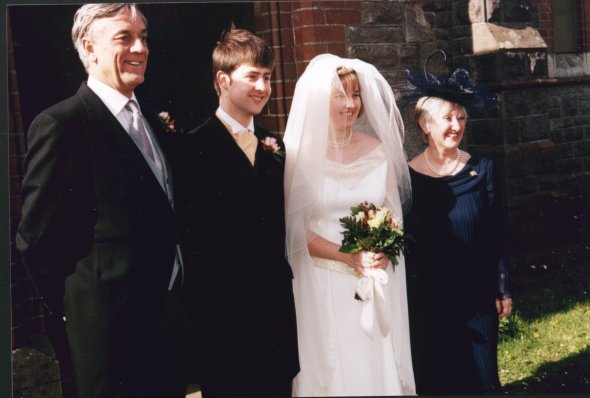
column 542, row 144
column 540, row 138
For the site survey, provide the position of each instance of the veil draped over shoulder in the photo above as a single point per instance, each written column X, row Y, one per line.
column 306, row 139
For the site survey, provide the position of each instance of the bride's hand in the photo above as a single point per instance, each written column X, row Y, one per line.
column 368, row 260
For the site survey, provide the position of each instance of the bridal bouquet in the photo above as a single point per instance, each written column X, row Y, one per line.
column 373, row 229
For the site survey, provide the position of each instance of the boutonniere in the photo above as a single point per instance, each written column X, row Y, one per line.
column 167, row 122
column 473, row 173
column 271, row 144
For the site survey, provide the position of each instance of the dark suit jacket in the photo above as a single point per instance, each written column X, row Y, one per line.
column 98, row 234
column 240, row 284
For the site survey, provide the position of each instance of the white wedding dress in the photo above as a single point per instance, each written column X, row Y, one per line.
column 337, row 357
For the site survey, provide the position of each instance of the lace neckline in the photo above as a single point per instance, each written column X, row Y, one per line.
column 367, row 155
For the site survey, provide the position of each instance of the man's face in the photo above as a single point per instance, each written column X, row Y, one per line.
column 118, row 52
column 245, row 91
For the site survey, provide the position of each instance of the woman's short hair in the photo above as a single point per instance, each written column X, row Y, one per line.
column 429, row 107
column 237, row 47
column 89, row 13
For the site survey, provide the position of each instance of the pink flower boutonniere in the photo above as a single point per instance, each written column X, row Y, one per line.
column 271, row 144
column 167, row 122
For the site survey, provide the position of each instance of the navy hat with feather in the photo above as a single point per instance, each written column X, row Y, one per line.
column 456, row 87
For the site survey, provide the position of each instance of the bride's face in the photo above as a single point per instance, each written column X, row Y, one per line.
column 345, row 104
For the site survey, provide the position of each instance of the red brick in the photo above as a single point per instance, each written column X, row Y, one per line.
column 285, row 19
column 261, row 22
column 268, row 122
column 289, row 89
column 306, row 52
column 319, row 34
column 289, row 103
column 289, row 71
column 286, row 36
column 546, row 25
column 308, row 17
column 301, row 4
column 301, row 67
column 272, row 105
column 286, row 54
column 337, row 49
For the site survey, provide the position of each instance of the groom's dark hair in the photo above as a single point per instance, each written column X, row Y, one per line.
column 236, row 47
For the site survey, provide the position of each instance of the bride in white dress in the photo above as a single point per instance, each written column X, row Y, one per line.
column 344, row 147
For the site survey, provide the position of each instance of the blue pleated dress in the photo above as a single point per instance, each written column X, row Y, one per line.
column 456, row 269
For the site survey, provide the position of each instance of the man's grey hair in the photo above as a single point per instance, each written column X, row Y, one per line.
column 89, row 13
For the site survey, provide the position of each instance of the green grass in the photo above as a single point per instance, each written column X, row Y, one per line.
column 545, row 345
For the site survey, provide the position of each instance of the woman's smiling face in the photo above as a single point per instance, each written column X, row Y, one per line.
column 445, row 127
column 345, row 104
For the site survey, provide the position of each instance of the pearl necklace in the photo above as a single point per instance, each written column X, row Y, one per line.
column 445, row 170
column 342, row 144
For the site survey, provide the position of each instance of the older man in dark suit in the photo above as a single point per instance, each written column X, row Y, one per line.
column 98, row 232
column 240, row 284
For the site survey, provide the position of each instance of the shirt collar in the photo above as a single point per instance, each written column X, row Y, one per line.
column 236, row 127
column 114, row 100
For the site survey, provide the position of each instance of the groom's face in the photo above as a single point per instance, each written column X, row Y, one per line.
column 245, row 91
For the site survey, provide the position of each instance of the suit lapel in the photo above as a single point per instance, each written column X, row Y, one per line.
column 105, row 125
column 228, row 146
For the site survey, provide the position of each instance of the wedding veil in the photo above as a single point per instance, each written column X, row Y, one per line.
column 306, row 139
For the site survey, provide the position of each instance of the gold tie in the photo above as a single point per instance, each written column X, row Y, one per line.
column 247, row 142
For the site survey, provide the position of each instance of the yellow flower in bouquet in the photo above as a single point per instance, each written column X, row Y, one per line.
column 373, row 229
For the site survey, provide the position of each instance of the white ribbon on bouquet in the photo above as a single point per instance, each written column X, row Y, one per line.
column 370, row 290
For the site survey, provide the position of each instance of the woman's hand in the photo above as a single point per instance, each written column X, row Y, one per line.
column 504, row 307
column 367, row 260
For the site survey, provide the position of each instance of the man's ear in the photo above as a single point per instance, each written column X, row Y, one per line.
column 88, row 46
column 223, row 79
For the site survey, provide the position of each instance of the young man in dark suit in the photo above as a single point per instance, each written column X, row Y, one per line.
column 239, row 282
column 98, row 231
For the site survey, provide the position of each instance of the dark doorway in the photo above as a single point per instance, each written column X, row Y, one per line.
column 181, row 39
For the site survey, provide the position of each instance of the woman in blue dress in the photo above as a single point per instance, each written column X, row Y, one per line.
column 457, row 286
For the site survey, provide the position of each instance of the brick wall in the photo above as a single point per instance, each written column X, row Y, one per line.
column 542, row 143
column 545, row 23
column 298, row 31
